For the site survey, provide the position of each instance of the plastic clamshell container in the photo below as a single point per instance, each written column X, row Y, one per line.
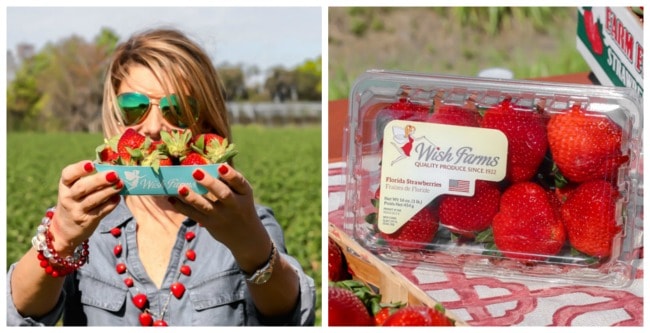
column 144, row 180
column 445, row 159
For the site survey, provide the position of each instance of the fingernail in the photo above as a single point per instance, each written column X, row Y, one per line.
column 111, row 177
column 118, row 185
column 223, row 169
column 89, row 167
column 198, row 174
column 171, row 200
column 183, row 191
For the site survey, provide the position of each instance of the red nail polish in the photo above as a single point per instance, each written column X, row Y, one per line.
column 119, row 185
column 89, row 167
column 111, row 177
column 223, row 169
column 198, row 174
column 183, row 191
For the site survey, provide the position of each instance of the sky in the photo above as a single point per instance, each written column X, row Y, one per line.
column 262, row 36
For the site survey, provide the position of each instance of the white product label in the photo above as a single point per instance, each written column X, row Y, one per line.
column 422, row 161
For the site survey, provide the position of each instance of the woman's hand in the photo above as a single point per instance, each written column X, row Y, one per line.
column 227, row 211
column 84, row 199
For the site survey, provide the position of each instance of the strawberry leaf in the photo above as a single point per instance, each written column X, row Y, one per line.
column 485, row 236
column 560, row 180
column 371, row 218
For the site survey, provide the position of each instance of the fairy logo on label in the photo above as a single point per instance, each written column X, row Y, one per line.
column 427, row 160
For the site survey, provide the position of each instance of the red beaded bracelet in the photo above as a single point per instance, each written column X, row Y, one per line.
column 50, row 260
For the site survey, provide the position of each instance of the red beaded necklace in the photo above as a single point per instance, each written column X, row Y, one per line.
column 177, row 289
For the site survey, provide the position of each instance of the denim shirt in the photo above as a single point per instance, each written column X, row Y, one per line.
column 215, row 292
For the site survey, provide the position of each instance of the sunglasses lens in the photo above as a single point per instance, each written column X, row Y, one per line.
column 173, row 112
column 133, row 107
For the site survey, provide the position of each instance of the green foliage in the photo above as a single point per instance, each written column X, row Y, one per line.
column 364, row 19
column 481, row 36
column 492, row 19
column 283, row 164
column 308, row 79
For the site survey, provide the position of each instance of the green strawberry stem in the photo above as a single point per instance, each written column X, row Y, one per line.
column 370, row 299
column 560, row 180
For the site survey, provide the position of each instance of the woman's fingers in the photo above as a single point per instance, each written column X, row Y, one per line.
column 234, row 179
column 74, row 172
column 225, row 188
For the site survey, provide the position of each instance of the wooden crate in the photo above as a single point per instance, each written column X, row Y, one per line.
column 380, row 276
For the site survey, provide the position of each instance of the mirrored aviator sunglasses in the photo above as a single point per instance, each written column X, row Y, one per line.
column 135, row 106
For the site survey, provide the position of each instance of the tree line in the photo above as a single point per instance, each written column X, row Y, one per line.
column 60, row 87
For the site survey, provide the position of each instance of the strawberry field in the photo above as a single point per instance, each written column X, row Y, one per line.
column 282, row 163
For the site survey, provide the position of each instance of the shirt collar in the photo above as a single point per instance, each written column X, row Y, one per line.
column 120, row 215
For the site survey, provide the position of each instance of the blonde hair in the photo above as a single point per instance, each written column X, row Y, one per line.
column 169, row 54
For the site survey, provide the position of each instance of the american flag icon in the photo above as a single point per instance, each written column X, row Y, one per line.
column 456, row 185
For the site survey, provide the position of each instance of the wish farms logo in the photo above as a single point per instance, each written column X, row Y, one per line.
column 425, row 153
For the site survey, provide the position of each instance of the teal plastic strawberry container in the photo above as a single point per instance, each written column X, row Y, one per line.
column 145, row 180
column 513, row 178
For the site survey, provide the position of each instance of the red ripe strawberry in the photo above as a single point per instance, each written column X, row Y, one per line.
column 386, row 310
column 194, row 158
column 454, row 115
column 417, row 315
column 346, row 309
column 383, row 314
column 417, row 232
column 403, row 109
column 589, row 214
column 467, row 216
column 336, row 265
column 214, row 147
column 585, row 146
column 527, row 226
column 107, row 151
column 155, row 156
column 130, row 147
column 177, row 142
column 525, row 130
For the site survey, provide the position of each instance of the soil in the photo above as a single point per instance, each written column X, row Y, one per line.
column 421, row 39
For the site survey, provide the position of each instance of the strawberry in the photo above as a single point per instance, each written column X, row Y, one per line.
column 417, row 232
column 155, row 156
column 107, row 151
column 454, row 115
column 194, row 158
column 214, row 147
column 177, row 142
column 590, row 217
column 346, row 309
column 418, row 315
column 527, row 226
column 525, row 130
column 336, row 264
column 403, row 109
column 584, row 146
column 130, row 147
column 385, row 310
column 466, row 216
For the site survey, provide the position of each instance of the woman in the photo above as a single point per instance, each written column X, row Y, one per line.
column 104, row 259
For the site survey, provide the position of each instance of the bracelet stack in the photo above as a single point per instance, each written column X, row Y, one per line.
column 50, row 260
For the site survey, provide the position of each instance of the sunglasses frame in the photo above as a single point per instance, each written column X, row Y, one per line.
column 171, row 110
